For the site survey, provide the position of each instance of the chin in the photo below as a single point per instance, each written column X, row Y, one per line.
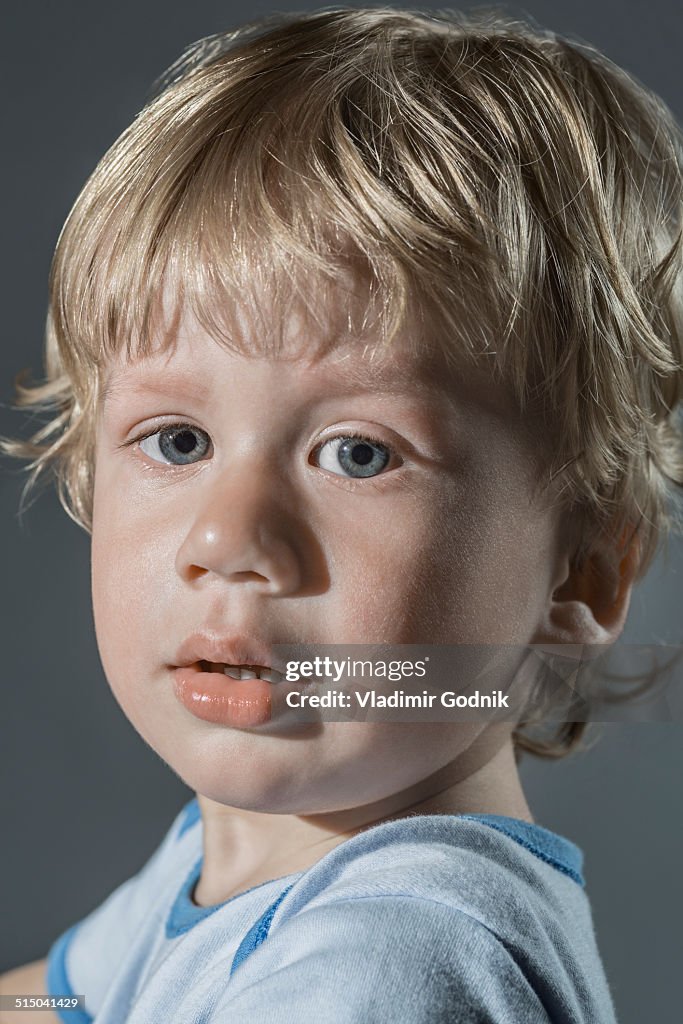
column 249, row 783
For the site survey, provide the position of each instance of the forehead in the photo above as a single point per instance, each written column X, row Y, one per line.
column 336, row 335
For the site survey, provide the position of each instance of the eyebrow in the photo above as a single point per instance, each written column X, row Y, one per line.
column 357, row 376
column 119, row 383
column 361, row 375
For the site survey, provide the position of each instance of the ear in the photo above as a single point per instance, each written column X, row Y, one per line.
column 590, row 602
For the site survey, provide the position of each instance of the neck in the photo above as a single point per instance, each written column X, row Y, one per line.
column 243, row 847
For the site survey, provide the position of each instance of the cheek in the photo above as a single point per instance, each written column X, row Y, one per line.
column 126, row 579
column 382, row 556
column 471, row 567
column 115, row 598
column 495, row 568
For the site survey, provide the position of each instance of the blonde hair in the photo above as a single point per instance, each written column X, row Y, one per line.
column 520, row 184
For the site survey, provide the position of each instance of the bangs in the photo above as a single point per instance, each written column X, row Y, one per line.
column 231, row 243
column 210, row 202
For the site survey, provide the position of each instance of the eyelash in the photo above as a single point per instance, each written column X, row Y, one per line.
column 181, row 425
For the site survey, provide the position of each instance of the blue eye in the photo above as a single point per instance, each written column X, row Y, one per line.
column 353, row 456
column 179, row 444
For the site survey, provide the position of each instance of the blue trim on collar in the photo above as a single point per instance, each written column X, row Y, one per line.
column 185, row 914
column 548, row 846
column 258, row 932
column 58, row 983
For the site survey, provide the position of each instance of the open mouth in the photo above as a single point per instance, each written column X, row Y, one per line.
column 271, row 675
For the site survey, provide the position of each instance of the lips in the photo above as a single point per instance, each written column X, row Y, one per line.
column 228, row 680
column 210, row 652
column 215, row 697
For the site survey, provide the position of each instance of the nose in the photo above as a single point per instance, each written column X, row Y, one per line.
column 241, row 533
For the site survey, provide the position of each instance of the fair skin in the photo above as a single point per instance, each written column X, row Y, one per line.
column 265, row 534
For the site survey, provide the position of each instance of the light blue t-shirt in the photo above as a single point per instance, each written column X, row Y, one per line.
column 429, row 918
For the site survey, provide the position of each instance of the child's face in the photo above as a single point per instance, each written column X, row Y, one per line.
column 258, row 524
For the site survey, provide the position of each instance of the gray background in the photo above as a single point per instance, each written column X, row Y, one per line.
column 83, row 801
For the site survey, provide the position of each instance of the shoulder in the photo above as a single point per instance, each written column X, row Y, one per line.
column 489, row 867
column 424, row 918
column 380, row 957
column 477, row 908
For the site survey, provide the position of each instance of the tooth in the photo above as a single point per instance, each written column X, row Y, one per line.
column 233, row 671
column 248, row 674
column 271, row 675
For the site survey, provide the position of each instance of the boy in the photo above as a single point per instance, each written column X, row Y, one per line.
column 365, row 332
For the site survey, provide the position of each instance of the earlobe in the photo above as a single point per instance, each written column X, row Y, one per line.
column 591, row 604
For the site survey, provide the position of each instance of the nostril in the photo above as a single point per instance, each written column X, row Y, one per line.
column 248, row 575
